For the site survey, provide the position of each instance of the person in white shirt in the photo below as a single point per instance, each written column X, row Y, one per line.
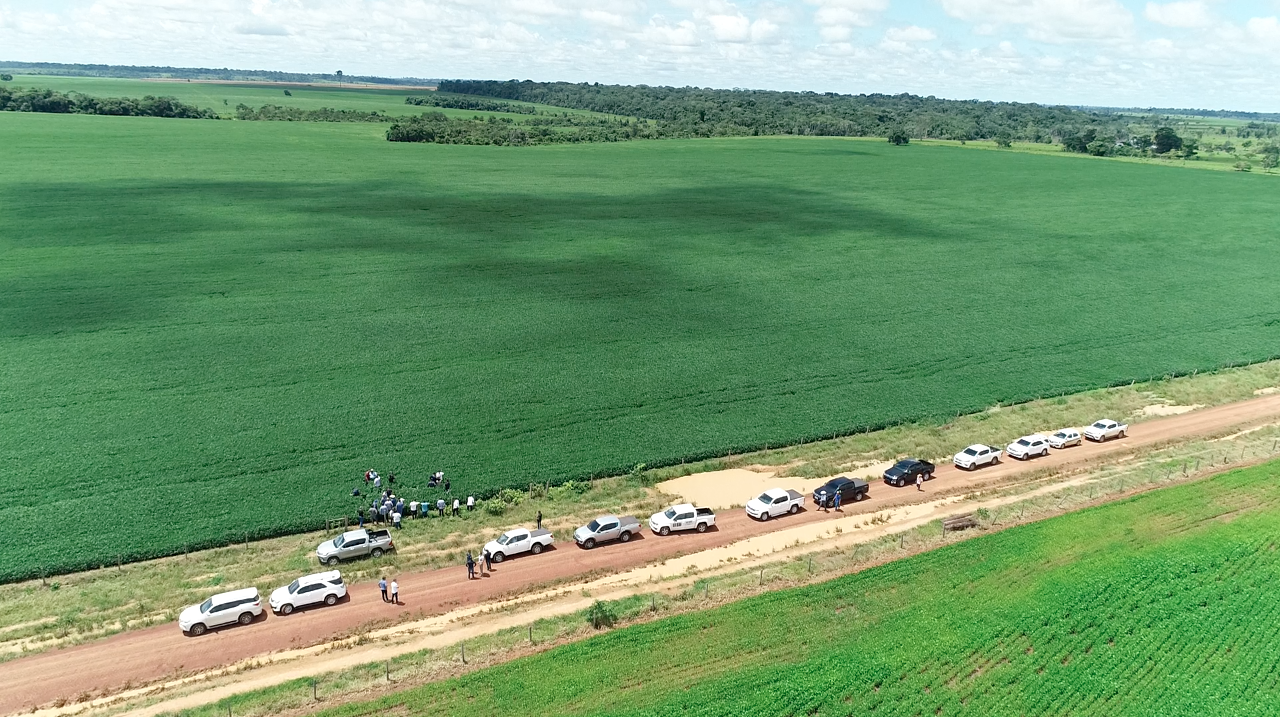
column 471, row 502
column 395, row 593
column 456, row 503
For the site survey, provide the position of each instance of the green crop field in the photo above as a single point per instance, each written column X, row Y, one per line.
column 209, row 329
column 1162, row 604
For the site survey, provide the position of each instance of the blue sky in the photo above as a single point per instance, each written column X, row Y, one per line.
column 1184, row 53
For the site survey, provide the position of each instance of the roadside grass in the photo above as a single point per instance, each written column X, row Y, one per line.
column 212, row 328
column 453, row 686
column 92, row 604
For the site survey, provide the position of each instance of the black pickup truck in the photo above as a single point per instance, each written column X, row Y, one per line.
column 904, row 472
column 850, row 490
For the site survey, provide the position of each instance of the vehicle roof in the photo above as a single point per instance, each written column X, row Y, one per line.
column 680, row 507
column 773, row 492
column 1033, row 437
column 605, row 518
column 978, row 446
column 236, row 594
column 354, row 534
column 1104, row 420
column 324, row 577
column 906, row 462
column 1067, row 430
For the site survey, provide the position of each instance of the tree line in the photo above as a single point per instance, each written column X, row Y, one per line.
column 698, row 112
column 44, row 100
column 276, row 113
column 553, row 129
column 470, row 103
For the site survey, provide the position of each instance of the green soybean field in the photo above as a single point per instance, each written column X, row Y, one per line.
column 210, row 329
column 1162, row 604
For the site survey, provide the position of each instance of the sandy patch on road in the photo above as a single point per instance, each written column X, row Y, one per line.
column 1164, row 409
column 722, row 490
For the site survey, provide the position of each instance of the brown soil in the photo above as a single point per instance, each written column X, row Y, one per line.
column 144, row 656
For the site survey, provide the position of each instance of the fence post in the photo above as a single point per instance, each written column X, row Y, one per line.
column 811, row 565
column 388, row 667
column 531, row 634
column 762, row 576
column 313, row 691
column 463, row 645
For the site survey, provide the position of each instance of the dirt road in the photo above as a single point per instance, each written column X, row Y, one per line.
column 143, row 656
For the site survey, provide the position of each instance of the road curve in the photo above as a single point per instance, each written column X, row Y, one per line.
column 142, row 656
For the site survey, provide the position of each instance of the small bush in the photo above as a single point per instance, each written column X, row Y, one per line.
column 495, row 507
column 601, row 615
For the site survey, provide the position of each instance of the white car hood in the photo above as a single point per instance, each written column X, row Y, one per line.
column 493, row 547
column 659, row 519
column 279, row 595
column 189, row 616
column 326, row 548
column 582, row 533
column 756, row 505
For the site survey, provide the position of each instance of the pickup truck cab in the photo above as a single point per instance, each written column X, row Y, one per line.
column 606, row 528
column 321, row 588
column 355, row 544
column 1104, row 429
column 519, row 540
column 977, row 455
column 850, row 490
column 1029, row 447
column 237, row 606
column 1064, row 438
column 904, row 472
column 682, row 517
column 774, row 501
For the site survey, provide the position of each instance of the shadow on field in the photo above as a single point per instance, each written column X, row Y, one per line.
column 128, row 252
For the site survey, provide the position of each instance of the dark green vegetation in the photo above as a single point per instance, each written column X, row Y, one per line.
column 469, row 103
column 553, row 129
column 696, row 112
column 21, row 99
column 1163, row 604
column 210, row 329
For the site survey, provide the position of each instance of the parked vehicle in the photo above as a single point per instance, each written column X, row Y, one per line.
column 850, row 490
column 1029, row 447
column 977, row 455
column 238, row 606
column 355, row 544
column 519, row 540
column 773, row 502
column 682, row 517
column 606, row 528
column 1104, row 429
column 905, row 471
column 327, row 588
column 1064, row 438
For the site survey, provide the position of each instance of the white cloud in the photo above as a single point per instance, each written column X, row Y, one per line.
column 1052, row 21
column 836, row 19
column 261, row 29
column 1179, row 14
column 730, row 28
column 911, row 33
column 1266, row 29
column 662, row 32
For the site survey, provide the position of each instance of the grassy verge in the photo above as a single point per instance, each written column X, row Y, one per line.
column 1008, row 585
column 101, row 602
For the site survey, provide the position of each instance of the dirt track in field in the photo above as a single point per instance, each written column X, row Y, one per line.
column 144, row 656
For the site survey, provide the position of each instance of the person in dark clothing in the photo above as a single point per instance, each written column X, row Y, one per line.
column 360, row 515
column 446, row 485
column 488, row 561
column 471, row 566
column 391, row 479
column 539, row 520
column 836, row 500
column 355, row 492
column 382, row 585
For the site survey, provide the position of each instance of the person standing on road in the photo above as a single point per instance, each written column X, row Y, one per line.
column 488, row 561
column 395, row 593
column 539, row 520
column 836, row 502
column 382, row 585
column 920, row 481
column 471, row 566
column 471, row 503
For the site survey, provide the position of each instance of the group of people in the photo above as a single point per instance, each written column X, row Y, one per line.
column 486, row 564
column 393, row 594
column 388, row 508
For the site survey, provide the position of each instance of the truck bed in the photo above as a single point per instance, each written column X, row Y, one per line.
column 793, row 495
column 539, row 533
column 628, row 521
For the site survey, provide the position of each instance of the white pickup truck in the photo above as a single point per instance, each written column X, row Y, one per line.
column 355, row 544
column 682, row 517
column 1104, row 429
column 519, row 540
column 774, row 501
column 977, row 455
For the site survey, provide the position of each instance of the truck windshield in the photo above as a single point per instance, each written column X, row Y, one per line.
column 970, row 452
column 764, row 498
column 1023, row 442
column 337, row 542
column 502, row 540
column 593, row 526
column 671, row 513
